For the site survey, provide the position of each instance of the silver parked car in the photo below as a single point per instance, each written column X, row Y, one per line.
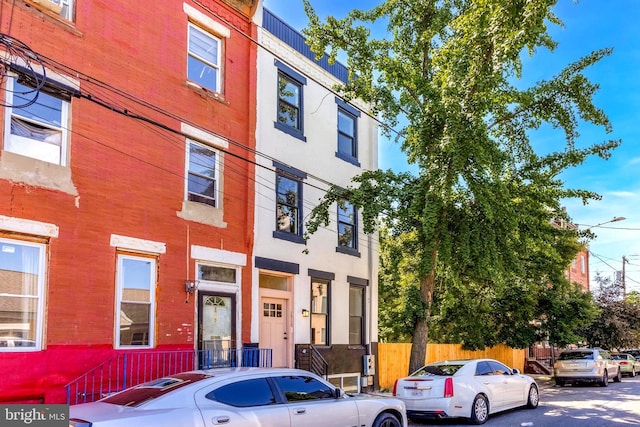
column 586, row 365
column 239, row 397
column 472, row 389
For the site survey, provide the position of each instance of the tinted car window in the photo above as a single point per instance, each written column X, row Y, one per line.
column 499, row 368
column 483, row 368
column 255, row 392
column 444, row 370
column 573, row 355
column 296, row 388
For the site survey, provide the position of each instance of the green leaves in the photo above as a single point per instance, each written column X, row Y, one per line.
column 481, row 208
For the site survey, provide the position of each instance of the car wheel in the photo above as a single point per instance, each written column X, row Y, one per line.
column 618, row 377
column 604, row 382
column 534, row 397
column 559, row 382
column 479, row 410
column 633, row 372
column 387, row 420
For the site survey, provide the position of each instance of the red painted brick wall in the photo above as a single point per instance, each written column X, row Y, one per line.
column 129, row 176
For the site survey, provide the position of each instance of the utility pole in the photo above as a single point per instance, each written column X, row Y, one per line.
column 624, row 283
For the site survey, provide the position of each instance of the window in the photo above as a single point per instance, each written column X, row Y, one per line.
column 289, row 109
column 583, row 265
column 203, row 61
column 483, row 368
column 202, row 182
column 288, row 208
column 22, row 268
column 319, row 312
column 356, row 314
column 347, row 231
column 136, row 281
column 216, row 274
column 499, row 368
column 63, row 8
column 243, row 394
column 36, row 122
column 347, row 132
column 300, row 388
column 290, row 117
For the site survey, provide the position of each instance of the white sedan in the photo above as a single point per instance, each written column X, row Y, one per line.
column 471, row 389
column 239, row 397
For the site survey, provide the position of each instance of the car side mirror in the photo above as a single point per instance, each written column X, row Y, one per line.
column 515, row 371
column 338, row 393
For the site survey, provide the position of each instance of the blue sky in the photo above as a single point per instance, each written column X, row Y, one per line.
column 588, row 25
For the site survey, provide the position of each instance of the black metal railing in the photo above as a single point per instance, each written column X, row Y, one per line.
column 319, row 365
column 131, row 368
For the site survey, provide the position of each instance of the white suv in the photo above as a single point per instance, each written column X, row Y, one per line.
column 586, row 365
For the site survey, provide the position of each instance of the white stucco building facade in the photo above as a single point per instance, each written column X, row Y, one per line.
column 315, row 296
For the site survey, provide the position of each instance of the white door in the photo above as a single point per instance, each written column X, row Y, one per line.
column 273, row 330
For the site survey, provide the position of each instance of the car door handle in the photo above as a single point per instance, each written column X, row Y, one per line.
column 221, row 420
column 299, row 411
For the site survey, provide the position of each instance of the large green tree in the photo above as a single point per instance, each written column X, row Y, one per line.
column 445, row 77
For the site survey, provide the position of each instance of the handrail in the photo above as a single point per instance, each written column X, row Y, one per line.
column 319, row 364
column 129, row 368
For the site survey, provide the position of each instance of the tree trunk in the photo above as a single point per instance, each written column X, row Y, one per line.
column 421, row 330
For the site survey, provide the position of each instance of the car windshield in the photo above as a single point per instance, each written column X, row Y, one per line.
column 142, row 393
column 573, row 355
column 620, row 356
column 443, row 369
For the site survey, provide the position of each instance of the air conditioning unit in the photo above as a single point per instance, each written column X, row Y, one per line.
column 53, row 5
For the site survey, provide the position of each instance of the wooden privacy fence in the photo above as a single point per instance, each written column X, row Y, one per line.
column 393, row 358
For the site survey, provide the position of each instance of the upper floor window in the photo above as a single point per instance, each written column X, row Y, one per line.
column 289, row 203
column 22, row 269
column 290, row 117
column 36, row 121
column 203, row 62
column 62, row 8
column 347, row 132
column 136, row 290
column 289, row 106
column 202, row 182
column 347, row 232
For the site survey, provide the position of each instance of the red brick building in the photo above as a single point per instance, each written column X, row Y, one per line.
column 126, row 175
column 578, row 271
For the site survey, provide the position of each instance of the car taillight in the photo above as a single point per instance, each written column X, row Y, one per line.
column 624, row 363
column 448, row 387
column 395, row 387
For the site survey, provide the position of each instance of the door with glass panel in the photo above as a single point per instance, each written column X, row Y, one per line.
column 273, row 330
column 216, row 322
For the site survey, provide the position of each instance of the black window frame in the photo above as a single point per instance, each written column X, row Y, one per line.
column 363, row 306
column 326, row 314
column 353, row 114
column 283, row 171
column 345, row 249
column 285, row 72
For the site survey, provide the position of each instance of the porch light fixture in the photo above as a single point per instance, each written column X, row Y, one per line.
column 305, row 312
column 190, row 287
